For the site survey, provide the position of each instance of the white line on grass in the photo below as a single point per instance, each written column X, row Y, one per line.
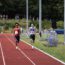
column 46, row 53
column 21, row 51
column 2, row 54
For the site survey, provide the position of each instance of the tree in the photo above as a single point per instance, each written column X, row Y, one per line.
column 50, row 8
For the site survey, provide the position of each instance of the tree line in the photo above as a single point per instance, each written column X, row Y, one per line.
column 50, row 8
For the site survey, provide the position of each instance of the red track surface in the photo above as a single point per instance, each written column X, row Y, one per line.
column 1, row 60
column 25, row 55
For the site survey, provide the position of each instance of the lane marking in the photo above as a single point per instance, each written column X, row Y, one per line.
column 21, row 51
column 2, row 54
column 45, row 53
column 26, row 56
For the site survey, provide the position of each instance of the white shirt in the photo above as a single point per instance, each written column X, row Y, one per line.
column 31, row 30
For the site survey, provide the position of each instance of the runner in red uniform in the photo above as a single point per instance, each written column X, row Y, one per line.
column 17, row 32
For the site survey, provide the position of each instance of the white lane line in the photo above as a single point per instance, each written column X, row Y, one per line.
column 46, row 53
column 26, row 56
column 21, row 51
column 2, row 54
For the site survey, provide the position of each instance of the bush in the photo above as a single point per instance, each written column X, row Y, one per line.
column 6, row 27
column 0, row 29
column 46, row 24
column 60, row 24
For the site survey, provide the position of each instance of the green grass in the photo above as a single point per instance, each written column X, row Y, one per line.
column 58, row 52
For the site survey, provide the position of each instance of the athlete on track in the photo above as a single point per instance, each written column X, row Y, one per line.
column 32, row 33
column 17, row 32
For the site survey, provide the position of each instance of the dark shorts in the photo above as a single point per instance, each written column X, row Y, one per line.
column 32, row 36
column 17, row 39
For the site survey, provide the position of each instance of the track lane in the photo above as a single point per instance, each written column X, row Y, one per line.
column 13, row 56
column 36, row 56
column 1, row 52
column 1, row 59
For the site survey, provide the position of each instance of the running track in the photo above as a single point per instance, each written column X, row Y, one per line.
column 24, row 55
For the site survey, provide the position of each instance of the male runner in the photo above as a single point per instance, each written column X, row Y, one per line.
column 32, row 33
column 17, row 32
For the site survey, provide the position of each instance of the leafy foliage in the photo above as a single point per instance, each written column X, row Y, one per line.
column 50, row 8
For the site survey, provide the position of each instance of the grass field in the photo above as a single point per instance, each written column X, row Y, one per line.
column 58, row 52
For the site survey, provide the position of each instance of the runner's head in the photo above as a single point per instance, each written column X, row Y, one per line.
column 32, row 25
column 16, row 24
